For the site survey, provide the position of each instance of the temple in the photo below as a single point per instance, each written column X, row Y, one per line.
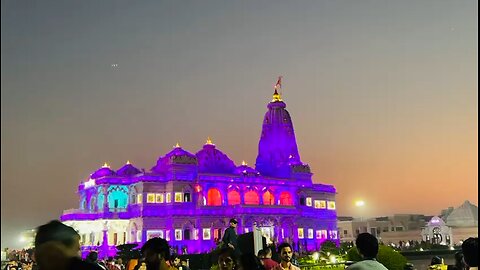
column 188, row 198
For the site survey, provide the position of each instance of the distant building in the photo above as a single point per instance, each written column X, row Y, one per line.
column 349, row 228
column 449, row 228
column 466, row 215
column 437, row 232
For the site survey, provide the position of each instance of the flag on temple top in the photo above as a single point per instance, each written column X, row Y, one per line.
column 279, row 82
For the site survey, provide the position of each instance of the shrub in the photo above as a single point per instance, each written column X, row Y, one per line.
column 390, row 258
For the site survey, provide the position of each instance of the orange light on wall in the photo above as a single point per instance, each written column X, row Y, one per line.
column 214, row 197
column 251, row 197
column 233, row 197
column 268, row 198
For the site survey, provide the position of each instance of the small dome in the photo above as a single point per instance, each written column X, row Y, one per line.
column 436, row 221
column 176, row 156
column 246, row 170
column 128, row 170
column 212, row 160
column 102, row 172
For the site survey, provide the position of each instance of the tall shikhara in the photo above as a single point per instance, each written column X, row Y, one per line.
column 277, row 149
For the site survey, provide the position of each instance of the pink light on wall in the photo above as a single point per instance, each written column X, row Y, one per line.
column 268, row 198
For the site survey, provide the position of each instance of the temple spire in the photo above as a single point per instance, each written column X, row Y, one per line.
column 276, row 95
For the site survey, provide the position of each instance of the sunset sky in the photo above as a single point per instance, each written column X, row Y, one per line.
column 382, row 94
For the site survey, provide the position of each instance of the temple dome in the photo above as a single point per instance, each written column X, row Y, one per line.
column 212, row 160
column 176, row 156
column 128, row 170
column 246, row 170
column 103, row 172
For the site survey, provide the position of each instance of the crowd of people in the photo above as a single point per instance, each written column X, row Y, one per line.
column 57, row 247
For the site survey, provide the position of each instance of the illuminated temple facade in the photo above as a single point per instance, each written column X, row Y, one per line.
column 189, row 198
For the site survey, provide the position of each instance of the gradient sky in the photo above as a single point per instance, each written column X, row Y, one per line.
column 383, row 94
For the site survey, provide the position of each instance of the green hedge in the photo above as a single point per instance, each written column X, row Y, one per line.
column 390, row 258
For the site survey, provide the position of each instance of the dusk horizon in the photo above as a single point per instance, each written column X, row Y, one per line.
column 382, row 96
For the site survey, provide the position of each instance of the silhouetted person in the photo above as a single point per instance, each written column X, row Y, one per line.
column 92, row 257
column 367, row 246
column 226, row 259
column 249, row 261
column 230, row 237
column 459, row 263
column 470, row 252
column 57, row 247
column 156, row 252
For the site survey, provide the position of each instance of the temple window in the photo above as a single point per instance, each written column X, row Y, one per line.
column 310, row 233
column 178, row 234
column 251, row 197
column 178, row 197
column 318, row 234
column 286, row 198
column 159, row 198
column 206, row 234
column 308, row 201
column 139, row 236
column 268, row 198
column 214, row 197
column 333, row 234
column 331, row 205
column 300, row 233
column 320, row 204
column 233, row 197
column 100, row 200
column 140, row 198
column 186, row 234
column 186, row 197
column 150, row 197
column 168, row 197
column 117, row 197
column 302, row 201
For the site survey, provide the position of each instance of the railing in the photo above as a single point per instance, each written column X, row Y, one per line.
column 330, row 266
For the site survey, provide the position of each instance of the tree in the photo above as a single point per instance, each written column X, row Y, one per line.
column 329, row 246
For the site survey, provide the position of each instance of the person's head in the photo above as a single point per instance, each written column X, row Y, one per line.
column 175, row 260
column 367, row 245
column 436, row 260
column 470, row 251
column 261, row 254
column 249, row 261
column 459, row 260
column 286, row 252
column 233, row 223
column 268, row 252
column 92, row 256
column 155, row 251
column 183, row 262
column 226, row 260
column 64, row 236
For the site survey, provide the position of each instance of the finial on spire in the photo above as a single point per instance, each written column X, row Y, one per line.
column 105, row 165
column 276, row 95
column 209, row 141
column 177, row 145
column 128, row 162
column 244, row 163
